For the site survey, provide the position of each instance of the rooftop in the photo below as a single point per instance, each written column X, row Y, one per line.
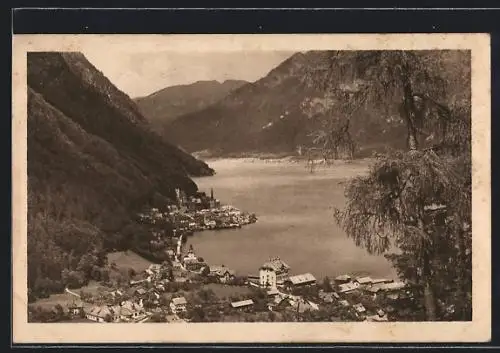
column 221, row 270
column 393, row 286
column 343, row 278
column 304, row 278
column 242, row 303
column 359, row 307
column 179, row 301
column 100, row 311
column 276, row 264
column 364, row 280
column 131, row 306
column 373, row 289
column 347, row 287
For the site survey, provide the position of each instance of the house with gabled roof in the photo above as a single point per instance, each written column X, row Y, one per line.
column 305, row 279
column 273, row 272
column 76, row 307
column 222, row 273
column 348, row 287
column 99, row 314
column 242, row 304
column 363, row 281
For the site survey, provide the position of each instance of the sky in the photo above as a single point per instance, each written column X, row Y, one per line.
column 142, row 73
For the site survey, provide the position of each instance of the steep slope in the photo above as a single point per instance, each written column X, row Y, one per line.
column 169, row 103
column 266, row 116
column 92, row 162
column 236, row 122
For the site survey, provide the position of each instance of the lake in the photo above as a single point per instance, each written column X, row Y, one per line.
column 295, row 219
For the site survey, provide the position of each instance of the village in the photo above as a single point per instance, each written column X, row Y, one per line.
column 197, row 213
column 185, row 288
column 177, row 294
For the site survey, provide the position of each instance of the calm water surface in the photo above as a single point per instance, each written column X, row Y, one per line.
column 295, row 219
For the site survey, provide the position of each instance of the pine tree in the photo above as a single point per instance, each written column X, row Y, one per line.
column 417, row 201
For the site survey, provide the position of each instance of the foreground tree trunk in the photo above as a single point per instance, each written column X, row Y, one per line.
column 462, row 286
column 429, row 296
column 429, row 300
column 409, row 111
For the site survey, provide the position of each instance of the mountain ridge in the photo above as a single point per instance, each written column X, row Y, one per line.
column 93, row 162
column 171, row 102
column 267, row 116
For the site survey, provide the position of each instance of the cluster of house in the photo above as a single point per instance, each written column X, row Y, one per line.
column 347, row 284
column 222, row 273
column 152, row 216
column 388, row 288
column 196, row 213
column 223, row 217
column 147, row 289
column 196, row 202
column 274, row 275
column 127, row 311
column 191, row 262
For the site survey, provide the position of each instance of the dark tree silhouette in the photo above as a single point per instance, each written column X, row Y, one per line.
column 417, row 201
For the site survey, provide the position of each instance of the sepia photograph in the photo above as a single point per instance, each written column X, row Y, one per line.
column 227, row 180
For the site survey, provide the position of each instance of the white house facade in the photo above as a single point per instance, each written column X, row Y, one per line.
column 273, row 273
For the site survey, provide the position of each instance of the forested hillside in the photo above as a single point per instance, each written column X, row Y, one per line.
column 171, row 102
column 92, row 162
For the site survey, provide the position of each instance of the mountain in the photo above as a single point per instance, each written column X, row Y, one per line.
column 92, row 162
column 267, row 116
column 169, row 103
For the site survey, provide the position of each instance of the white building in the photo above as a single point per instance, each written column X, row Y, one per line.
column 190, row 257
column 273, row 272
column 178, row 305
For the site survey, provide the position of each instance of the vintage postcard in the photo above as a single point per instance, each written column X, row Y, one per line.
column 251, row 188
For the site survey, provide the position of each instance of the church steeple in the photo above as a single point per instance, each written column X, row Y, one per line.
column 211, row 193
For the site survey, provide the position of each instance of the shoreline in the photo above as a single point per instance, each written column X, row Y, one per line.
column 292, row 160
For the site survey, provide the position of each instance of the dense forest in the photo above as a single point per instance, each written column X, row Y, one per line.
column 92, row 163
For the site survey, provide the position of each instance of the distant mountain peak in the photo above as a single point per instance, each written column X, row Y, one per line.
column 250, row 118
column 171, row 102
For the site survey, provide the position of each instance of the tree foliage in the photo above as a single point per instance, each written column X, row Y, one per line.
column 402, row 87
column 416, row 205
